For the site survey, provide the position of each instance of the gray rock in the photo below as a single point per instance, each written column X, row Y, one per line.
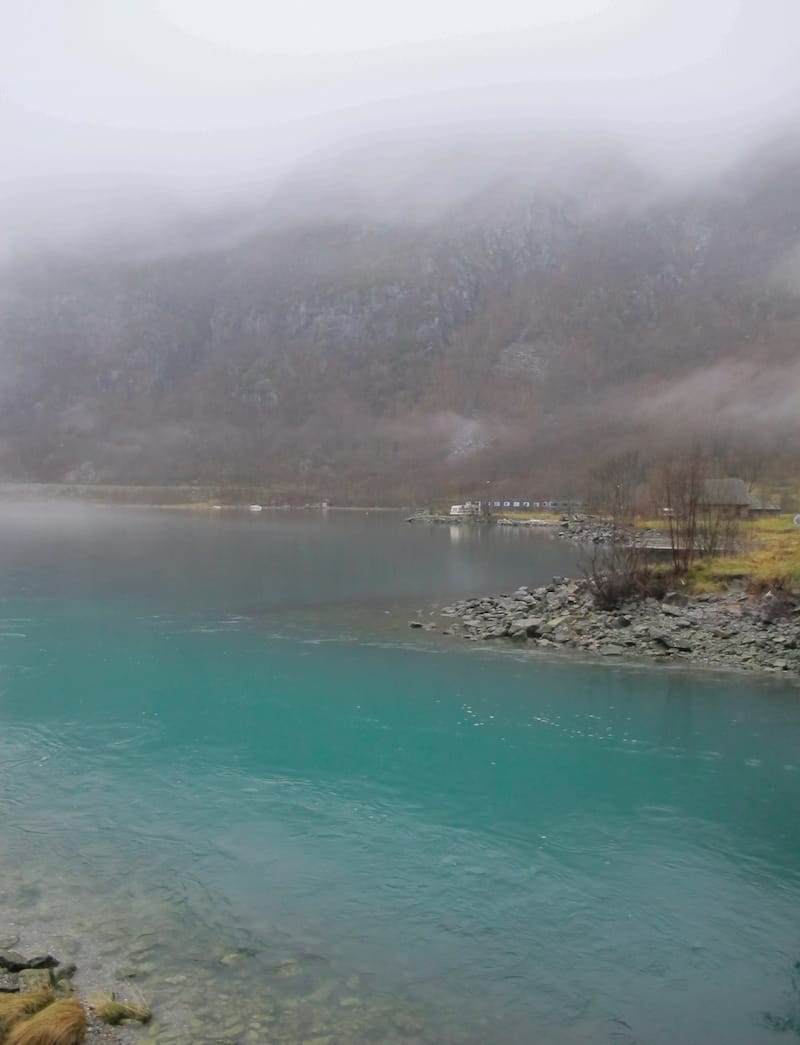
column 12, row 961
column 9, row 982
column 64, row 972
column 724, row 629
column 530, row 625
column 676, row 598
column 34, row 979
column 622, row 620
column 663, row 638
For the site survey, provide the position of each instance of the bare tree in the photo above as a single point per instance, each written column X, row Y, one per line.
column 718, row 529
column 678, row 486
column 616, row 568
column 613, row 488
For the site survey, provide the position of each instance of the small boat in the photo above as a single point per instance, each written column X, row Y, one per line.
column 256, row 508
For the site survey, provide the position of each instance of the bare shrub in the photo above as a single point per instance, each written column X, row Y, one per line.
column 617, row 572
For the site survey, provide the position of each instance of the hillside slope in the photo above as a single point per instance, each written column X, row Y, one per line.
column 405, row 318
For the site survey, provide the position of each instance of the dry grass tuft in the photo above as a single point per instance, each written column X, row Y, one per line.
column 62, row 1023
column 15, row 1007
column 112, row 1011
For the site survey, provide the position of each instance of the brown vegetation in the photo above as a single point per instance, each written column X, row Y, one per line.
column 15, row 1007
column 706, row 521
column 113, row 1012
column 60, row 1023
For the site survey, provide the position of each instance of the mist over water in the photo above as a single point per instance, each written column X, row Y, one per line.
column 380, row 830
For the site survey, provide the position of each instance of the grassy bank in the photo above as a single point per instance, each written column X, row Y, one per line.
column 768, row 555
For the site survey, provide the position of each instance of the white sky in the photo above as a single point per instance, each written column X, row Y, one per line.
column 206, row 64
column 199, row 94
column 317, row 26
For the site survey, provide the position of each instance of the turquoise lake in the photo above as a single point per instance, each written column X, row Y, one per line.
column 235, row 781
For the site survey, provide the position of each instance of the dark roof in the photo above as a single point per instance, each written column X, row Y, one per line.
column 725, row 491
column 757, row 504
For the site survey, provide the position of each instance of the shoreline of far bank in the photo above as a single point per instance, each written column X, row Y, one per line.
column 183, row 497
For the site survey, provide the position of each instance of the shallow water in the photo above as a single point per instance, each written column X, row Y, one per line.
column 228, row 768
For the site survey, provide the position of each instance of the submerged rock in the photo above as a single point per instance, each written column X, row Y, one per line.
column 13, row 961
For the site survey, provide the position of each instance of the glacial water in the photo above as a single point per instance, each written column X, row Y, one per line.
column 234, row 781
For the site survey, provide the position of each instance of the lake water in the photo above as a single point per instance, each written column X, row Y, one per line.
column 229, row 768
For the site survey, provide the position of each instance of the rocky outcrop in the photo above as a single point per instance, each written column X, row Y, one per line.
column 20, row 974
column 735, row 630
column 588, row 530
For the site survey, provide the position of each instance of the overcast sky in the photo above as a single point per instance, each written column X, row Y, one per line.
column 189, row 94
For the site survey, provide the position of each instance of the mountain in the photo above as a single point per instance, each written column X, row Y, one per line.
column 406, row 316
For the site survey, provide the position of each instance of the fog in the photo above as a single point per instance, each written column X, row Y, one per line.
column 381, row 248
column 111, row 111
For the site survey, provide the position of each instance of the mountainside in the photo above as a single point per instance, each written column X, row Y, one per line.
column 401, row 319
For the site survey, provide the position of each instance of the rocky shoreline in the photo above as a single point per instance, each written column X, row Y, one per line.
column 20, row 974
column 586, row 530
column 736, row 630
